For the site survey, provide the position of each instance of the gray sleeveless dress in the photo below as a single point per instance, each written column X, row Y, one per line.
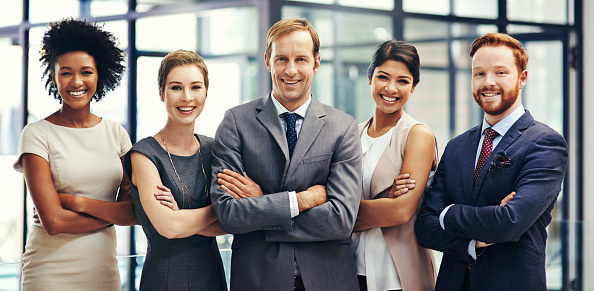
column 192, row 263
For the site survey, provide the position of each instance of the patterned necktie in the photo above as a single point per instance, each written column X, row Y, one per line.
column 486, row 150
column 290, row 119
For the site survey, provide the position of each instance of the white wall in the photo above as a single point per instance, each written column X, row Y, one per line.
column 588, row 146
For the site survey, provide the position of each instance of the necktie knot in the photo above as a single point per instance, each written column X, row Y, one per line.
column 486, row 150
column 291, row 134
column 490, row 134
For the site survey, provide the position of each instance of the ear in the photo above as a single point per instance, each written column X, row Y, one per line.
column 317, row 60
column 161, row 96
column 267, row 62
column 53, row 78
column 523, row 78
column 412, row 90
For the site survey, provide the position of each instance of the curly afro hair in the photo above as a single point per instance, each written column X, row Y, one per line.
column 71, row 35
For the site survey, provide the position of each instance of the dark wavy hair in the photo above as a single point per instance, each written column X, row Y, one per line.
column 399, row 51
column 71, row 35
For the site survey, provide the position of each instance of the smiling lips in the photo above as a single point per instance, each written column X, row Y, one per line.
column 490, row 94
column 77, row 93
column 185, row 109
column 291, row 82
column 390, row 99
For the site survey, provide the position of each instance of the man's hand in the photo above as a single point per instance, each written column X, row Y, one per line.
column 312, row 197
column 507, row 198
column 401, row 185
column 237, row 185
column 163, row 194
column 480, row 244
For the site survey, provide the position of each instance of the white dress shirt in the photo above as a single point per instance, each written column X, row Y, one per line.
column 372, row 256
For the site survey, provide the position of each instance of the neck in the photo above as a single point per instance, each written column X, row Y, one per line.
column 180, row 139
column 75, row 118
column 382, row 122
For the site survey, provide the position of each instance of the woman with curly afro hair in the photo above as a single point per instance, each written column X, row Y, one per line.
column 72, row 163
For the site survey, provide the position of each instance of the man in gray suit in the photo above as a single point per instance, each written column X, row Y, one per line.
column 294, row 204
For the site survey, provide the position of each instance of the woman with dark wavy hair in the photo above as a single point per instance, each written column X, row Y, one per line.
column 72, row 163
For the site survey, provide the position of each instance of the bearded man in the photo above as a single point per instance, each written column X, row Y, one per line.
column 496, row 184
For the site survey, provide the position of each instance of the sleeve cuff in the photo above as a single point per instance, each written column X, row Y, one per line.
column 442, row 216
column 293, row 204
column 472, row 249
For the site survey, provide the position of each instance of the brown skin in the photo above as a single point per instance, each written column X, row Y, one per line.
column 59, row 213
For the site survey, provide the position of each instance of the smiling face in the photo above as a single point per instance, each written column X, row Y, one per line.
column 496, row 84
column 75, row 75
column 184, row 94
column 391, row 86
column 292, row 66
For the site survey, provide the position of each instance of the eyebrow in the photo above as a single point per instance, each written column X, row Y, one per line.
column 84, row 68
column 403, row 76
column 179, row 82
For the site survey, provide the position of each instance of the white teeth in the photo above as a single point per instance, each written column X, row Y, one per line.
column 77, row 93
column 490, row 94
column 185, row 108
column 389, row 99
column 291, row 82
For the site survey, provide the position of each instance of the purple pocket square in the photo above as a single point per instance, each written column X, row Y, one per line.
column 501, row 161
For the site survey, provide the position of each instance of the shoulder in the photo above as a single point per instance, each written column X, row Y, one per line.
column 145, row 146
column 206, row 142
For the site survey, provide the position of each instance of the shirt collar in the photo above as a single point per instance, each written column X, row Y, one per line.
column 505, row 124
column 301, row 111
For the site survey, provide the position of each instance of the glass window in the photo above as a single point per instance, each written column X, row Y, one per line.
column 438, row 7
column 12, row 207
column 376, row 4
column 430, row 104
column 477, row 9
column 543, row 94
column 363, row 28
column 322, row 20
column 316, row 1
column 231, row 31
column 151, row 111
column 107, row 8
column 419, row 29
column 167, row 33
column 542, row 11
column 45, row 11
column 11, row 13
column 41, row 104
column 114, row 106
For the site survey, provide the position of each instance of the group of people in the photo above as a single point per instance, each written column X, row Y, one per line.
column 314, row 200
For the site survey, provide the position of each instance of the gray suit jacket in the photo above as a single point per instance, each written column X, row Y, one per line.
column 267, row 241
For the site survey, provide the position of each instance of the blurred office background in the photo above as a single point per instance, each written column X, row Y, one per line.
column 230, row 35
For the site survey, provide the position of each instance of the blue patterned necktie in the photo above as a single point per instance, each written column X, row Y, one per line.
column 290, row 119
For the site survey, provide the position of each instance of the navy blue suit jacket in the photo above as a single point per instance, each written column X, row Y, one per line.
column 532, row 159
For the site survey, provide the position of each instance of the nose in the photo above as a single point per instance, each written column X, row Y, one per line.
column 391, row 87
column 291, row 68
column 77, row 80
column 186, row 96
column 489, row 80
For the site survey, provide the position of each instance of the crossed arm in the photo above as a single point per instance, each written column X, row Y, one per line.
column 258, row 212
column 398, row 209
column 161, row 209
column 59, row 212
column 537, row 184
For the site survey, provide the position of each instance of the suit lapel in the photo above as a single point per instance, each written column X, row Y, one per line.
column 311, row 127
column 468, row 160
column 268, row 117
column 514, row 132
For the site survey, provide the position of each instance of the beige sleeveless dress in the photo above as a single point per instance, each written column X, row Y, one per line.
column 83, row 161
